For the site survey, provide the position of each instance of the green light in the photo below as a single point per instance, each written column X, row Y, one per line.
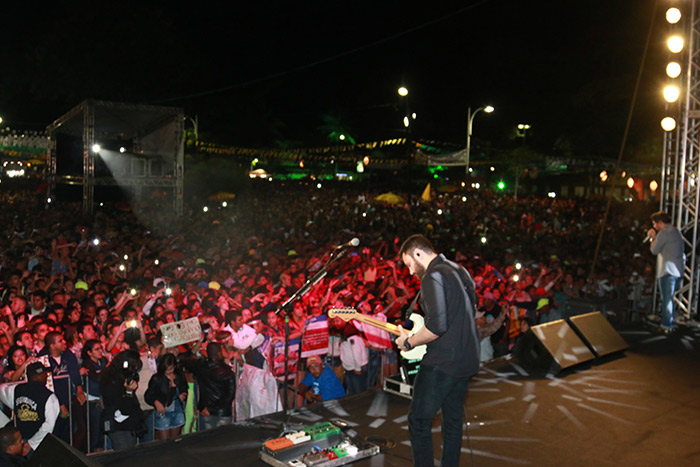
column 436, row 176
column 501, row 185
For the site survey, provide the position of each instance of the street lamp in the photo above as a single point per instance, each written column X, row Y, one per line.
column 470, row 120
column 195, row 126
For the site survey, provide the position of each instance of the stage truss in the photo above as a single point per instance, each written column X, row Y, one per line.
column 152, row 154
column 679, row 194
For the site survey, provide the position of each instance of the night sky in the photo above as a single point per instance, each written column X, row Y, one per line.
column 272, row 73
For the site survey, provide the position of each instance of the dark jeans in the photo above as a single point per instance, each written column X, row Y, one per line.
column 434, row 390
column 668, row 285
column 375, row 364
column 122, row 439
column 355, row 383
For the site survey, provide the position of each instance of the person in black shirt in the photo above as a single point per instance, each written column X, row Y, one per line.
column 217, row 388
column 452, row 357
column 122, row 416
column 35, row 408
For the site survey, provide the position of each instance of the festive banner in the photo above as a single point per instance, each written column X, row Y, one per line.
column 315, row 339
column 277, row 364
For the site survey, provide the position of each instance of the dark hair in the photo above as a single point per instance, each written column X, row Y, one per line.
column 231, row 315
column 7, row 436
column 52, row 337
column 661, row 216
column 39, row 293
column 165, row 361
column 416, row 242
column 18, row 335
column 82, row 325
column 10, row 352
column 123, row 365
column 88, row 348
column 155, row 341
column 213, row 350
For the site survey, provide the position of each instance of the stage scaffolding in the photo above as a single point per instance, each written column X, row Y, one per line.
column 142, row 150
column 680, row 194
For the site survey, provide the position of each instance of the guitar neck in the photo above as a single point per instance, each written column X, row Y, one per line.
column 377, row 323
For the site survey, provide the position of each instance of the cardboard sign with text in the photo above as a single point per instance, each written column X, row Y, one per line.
column 181, row 332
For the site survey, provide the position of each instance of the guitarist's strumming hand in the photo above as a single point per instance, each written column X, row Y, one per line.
column 400, row 340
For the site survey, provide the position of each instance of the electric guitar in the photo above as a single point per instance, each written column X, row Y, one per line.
column 349, row 313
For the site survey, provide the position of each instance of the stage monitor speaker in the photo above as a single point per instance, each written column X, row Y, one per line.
column 552, row 346
column 53, row 452
column 599, row 333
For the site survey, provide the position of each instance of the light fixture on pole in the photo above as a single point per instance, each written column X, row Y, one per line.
column 470, row 120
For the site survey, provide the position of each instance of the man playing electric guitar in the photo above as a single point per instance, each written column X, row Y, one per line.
column 452, row 357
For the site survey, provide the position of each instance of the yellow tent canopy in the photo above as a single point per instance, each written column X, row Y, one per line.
column 389, row 198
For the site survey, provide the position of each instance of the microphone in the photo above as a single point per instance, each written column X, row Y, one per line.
column 354, row 242
column 647, row 239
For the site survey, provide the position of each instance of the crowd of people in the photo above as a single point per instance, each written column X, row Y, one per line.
column 86, row 296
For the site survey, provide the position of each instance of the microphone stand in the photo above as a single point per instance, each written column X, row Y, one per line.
column 296, row 296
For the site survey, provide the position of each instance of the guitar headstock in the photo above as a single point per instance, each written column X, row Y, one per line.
column 345, row 313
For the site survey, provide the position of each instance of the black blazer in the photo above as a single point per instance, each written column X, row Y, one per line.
column 159, row 389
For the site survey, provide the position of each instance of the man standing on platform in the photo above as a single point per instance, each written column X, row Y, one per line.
column 667, row 245
column 452, row 358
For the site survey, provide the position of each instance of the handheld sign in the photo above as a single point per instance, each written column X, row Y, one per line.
column 181, row 332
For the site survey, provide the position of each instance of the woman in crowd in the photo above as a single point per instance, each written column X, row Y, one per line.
column 17, row 361
column 167, row 393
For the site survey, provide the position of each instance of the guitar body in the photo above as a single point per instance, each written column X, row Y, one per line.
column 349, row 313
column 417, row 352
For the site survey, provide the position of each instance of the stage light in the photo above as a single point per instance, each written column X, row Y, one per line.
column 671, row 93
column 673, row 15
column 668, row 124
column 205, row 209
column 653, row 185
column 224, row 204
column 675, row 44
column 518, row 266
column 126, row 257
column 630, row 182
column 156, row 262
column 96, row 241
column 122, row 150
column 464, row 199
column 439, row 211
column 483, row 239
column 403, row 92
column 673, row 70
column 96, row 148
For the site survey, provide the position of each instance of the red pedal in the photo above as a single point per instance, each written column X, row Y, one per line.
column 278, row 444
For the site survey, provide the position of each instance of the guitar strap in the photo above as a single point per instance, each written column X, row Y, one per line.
column 410, row 309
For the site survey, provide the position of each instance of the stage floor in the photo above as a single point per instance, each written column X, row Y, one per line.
column 635, row 408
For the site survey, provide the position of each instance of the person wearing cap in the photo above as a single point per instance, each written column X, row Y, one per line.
column 35, row 408
column 547, row 313
column 449, row 302
column 320, row 382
